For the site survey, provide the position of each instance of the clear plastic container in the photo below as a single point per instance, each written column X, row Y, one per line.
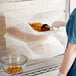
column 32, row 43
column 35, row 50
column 13, row 64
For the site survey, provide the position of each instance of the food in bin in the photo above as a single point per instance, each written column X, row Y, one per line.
column 36, row 26
column 45, row 27
column 13, row 63
column 42, row 27
column 13, row 69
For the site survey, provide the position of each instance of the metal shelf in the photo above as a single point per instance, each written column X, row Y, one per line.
column 37, row 67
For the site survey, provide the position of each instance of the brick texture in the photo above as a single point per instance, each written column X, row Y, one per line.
column 2, row 25
column 2, row 32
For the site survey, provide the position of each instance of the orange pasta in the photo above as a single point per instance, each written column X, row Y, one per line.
column 14, row 69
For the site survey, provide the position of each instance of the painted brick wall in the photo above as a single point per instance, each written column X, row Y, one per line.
column 2, row 31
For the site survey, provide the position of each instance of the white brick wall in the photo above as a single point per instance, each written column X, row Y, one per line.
column 37, row 5
column 73, row 4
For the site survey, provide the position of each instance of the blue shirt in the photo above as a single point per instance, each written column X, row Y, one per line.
column 71, row 27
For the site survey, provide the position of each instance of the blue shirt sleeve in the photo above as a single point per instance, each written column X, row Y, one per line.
column 71, row 27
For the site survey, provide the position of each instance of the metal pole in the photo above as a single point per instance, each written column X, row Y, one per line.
column 67, row 11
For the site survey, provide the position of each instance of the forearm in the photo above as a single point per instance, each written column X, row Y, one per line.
column 68, row 60
column 66, row 64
